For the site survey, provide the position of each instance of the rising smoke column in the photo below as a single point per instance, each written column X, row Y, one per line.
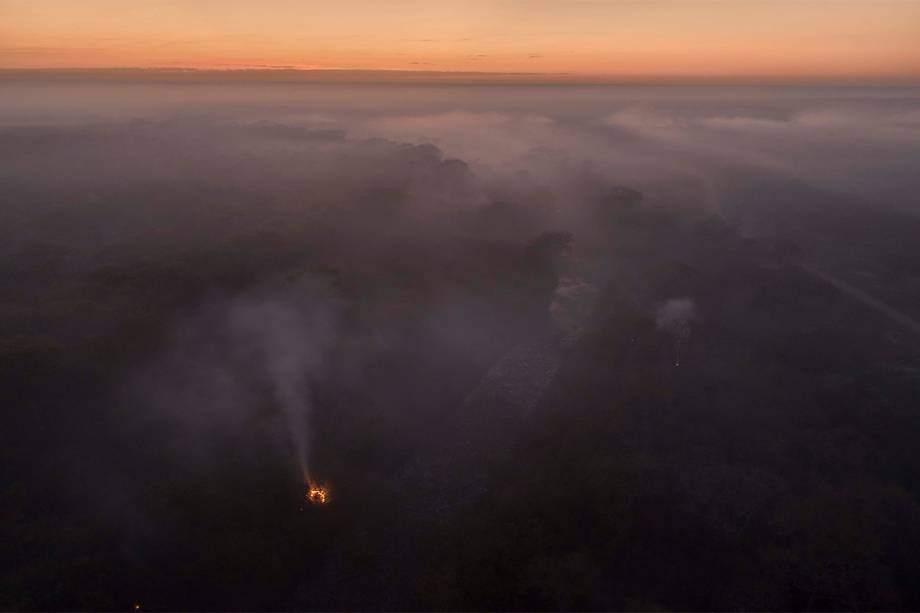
column 234, row 355
column 675, row 316
column 283, row 344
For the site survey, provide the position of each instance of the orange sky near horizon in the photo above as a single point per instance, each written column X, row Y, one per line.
column 600, row 38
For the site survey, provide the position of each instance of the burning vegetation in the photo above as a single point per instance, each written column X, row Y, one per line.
column 316, row 494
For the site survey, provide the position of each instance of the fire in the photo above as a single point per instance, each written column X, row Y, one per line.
column 316, row 494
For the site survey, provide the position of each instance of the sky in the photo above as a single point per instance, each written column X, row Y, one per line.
column 874, row 39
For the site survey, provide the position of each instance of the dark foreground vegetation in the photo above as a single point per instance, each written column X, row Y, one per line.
column 145, row 459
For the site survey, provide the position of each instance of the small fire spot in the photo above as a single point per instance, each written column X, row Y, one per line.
column 316, row 494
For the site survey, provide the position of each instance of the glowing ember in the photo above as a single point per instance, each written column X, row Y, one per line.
column 316, row 494
column 136, row 606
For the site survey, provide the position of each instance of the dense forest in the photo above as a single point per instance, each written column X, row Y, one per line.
column 632, row 402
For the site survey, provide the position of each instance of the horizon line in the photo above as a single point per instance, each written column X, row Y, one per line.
column 294, row 74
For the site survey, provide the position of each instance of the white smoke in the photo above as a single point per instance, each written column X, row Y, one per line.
column 572, row 305
column 675, row 313
column 230, row 359
column 675, row 316
column 282, row 346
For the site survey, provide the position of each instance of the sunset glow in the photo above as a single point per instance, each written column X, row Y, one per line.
column 588, row 38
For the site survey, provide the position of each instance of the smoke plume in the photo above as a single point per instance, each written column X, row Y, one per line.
column 229, row 360
column 675, row 317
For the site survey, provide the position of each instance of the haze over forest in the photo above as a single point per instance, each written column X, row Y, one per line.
column 547, row 347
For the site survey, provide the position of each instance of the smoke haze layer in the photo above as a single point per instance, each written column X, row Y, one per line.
column 854, row 141
column 551, row 347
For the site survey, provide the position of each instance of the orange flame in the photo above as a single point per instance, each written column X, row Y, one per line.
column 316, row 494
